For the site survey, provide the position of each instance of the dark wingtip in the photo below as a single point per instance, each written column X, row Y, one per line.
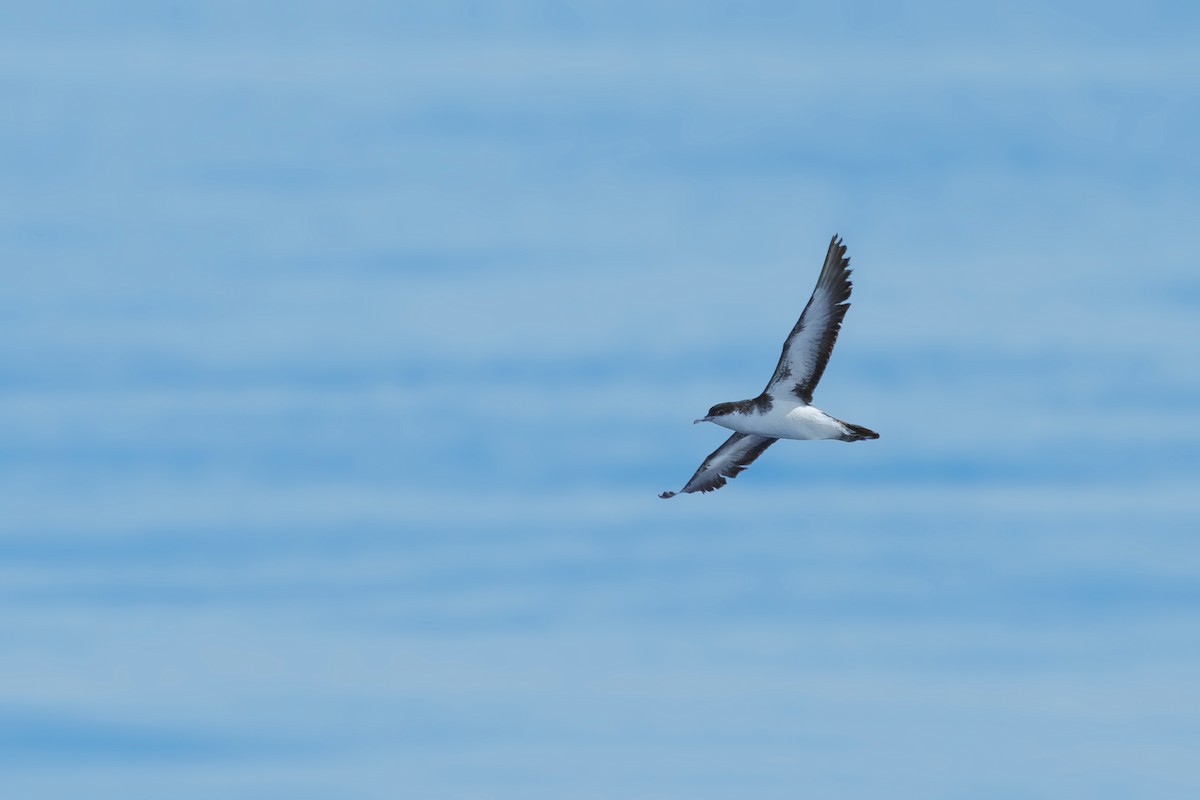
column 667, row 495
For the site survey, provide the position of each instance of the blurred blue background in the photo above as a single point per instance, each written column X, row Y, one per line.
column 346, row 347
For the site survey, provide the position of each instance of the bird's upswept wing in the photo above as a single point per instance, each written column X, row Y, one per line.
column 807, row 349
column 726, row 462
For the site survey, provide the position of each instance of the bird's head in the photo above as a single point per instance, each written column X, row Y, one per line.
column 716, row 412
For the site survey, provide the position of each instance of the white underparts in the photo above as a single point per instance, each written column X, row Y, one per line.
column 786, row 421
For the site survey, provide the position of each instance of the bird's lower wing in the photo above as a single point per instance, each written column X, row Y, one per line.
column 726, row 461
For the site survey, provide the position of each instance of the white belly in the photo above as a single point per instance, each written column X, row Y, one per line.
column 786, row 422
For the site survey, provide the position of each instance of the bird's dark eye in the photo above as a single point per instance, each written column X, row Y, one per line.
column 717, row 411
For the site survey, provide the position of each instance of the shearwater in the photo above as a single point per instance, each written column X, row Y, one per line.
column 784, row 410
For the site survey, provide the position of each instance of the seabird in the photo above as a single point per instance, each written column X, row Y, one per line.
column 784, row 410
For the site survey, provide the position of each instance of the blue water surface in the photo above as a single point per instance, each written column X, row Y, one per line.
column 347, row 346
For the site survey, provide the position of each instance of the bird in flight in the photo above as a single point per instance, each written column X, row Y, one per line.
column 784, row 410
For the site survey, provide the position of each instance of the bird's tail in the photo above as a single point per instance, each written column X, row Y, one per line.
column 856, row 433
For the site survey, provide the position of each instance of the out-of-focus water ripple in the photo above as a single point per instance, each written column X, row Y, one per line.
column 346, row 349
